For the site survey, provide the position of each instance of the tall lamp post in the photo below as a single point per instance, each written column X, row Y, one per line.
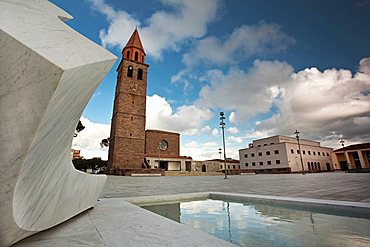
column 299, row 147
column 222, row 125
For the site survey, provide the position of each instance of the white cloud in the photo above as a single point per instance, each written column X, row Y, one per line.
column 236, row 139
column 232, row 130
column 245, row 41
column 166, row 29
column 246, row 93
column 187, row 120
column 315, row 102
column 206, row 130
column 88, row 140
column 215, row 132
column 210, row 144
column 232, row 117
column 201, row 151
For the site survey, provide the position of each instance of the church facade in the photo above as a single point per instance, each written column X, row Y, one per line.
column 132, row 148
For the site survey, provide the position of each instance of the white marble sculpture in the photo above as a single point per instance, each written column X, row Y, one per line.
column 48, row 73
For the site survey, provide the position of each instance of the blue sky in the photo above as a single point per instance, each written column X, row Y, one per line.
column 271, row 66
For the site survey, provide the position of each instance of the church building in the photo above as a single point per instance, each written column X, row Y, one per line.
column 132, row 148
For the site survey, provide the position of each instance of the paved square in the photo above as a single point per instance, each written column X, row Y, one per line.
column 332, row 185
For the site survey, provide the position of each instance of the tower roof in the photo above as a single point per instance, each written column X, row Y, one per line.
column 135, row 41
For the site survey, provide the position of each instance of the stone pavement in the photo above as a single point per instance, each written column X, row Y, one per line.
column 116, row 222
column 332, row 185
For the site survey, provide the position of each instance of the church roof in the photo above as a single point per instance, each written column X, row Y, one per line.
column 135, row 41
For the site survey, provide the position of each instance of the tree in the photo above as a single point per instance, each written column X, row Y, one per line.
column 79, row 128
column 105, row 142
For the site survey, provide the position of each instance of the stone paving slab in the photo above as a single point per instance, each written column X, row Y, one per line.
column 115, row 223
column 331, row 185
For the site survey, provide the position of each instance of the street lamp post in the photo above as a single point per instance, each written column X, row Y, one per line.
column 299, row 147
column 222, row 125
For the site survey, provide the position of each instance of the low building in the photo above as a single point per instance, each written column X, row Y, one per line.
column 352, row 157
column 282, row 154
column 215, row 165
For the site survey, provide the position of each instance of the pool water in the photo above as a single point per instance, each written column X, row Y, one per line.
column 266, row 225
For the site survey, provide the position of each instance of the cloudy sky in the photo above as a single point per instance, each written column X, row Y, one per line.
column 271, row 66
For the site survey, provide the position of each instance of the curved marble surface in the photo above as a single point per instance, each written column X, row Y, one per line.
column 48, row 73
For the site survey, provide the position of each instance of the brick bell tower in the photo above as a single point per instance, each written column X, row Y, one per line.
column 127, row 138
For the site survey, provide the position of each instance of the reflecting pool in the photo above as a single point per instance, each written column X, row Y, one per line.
column 266, row 225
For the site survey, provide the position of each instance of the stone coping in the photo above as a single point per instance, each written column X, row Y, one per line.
column 344, row 208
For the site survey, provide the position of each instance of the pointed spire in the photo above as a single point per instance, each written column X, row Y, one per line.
column 135, row 41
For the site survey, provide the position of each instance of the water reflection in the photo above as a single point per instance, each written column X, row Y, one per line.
column 265, row 225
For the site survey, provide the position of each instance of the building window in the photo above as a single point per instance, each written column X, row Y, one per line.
column 269, row 162
column 304, row 152
column 246, row 164
column 267, row 152
column 233, row 166
column 245, row 155
column 272, row 143
column 298, row 151
column 309, row 152
column 253, row 163
column 228, row 166
column 327, row 154
column 132, row 118
column 318, row 153
column 140, row 74
column 222, row 167
column 261, row 163
column 308, row 165
column 314, row 153
column 252, row 155
column 277, row 162
column 136, row 56
column 276, row 151
column 130, row 71
column 265, row 144
column 259, row 154
column 142, row 58
column 318, row 166
column 292, row 151
column 259, row 146
column 128, row 54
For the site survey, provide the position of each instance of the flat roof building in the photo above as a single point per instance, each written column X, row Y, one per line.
column 352, row 157
column 282, row 154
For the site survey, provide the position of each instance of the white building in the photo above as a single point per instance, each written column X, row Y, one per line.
column 281, row 154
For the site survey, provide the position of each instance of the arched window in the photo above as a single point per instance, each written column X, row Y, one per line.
column 130, row 71
column 136, row 56
column 309, row 166
column 318, row 166
column 140, row 74
column 128, row 55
